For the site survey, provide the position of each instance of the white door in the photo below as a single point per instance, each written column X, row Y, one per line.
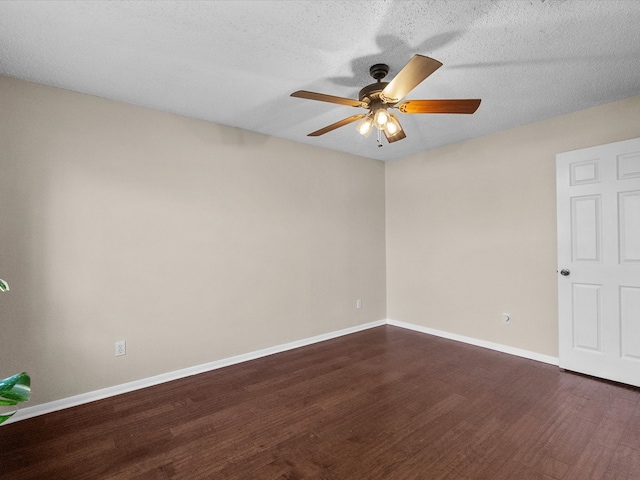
column 598, row 195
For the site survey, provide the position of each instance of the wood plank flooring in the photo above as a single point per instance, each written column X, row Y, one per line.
column 386, row 403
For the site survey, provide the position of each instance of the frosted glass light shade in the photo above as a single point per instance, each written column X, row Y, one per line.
column 381, row 118
column 365, row 126
column 392, row 126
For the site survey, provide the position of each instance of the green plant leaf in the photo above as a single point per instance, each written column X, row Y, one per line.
column 5, row 417
column 4, row 286
column 15, row 389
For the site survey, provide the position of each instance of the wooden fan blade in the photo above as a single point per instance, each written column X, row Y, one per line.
column 439, row 106
column 339, row 124
column 414, row 72
column 321, row 97
column 398, row 136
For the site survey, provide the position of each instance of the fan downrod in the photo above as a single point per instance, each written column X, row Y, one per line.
column 379, row 71
column 371, row 92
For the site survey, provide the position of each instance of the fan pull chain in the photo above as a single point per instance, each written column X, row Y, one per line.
column 379, row 142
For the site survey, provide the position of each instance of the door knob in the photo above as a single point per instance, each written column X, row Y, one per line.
column 564, row 272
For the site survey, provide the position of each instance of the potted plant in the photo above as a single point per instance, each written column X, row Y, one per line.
column 15, row 389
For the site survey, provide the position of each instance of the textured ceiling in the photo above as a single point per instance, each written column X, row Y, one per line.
column 236, row 62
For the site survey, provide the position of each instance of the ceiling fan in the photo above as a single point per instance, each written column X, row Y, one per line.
column 380, row 97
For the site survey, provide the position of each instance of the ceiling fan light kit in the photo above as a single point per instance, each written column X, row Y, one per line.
column 380, row 97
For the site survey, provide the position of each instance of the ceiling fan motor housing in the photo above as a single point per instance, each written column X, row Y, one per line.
column 371, row 93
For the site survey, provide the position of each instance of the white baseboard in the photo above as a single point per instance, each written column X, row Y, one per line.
column 478, row 343
column 56, row 405
column 88, row 397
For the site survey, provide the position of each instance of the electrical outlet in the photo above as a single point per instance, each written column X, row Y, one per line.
column 358, row 303
column 121, row 348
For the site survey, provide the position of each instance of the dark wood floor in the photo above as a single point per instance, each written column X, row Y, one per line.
column 385, row 403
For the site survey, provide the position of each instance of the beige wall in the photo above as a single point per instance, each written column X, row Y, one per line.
column 191, row 241
column 471, row 228
column 196, row 242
